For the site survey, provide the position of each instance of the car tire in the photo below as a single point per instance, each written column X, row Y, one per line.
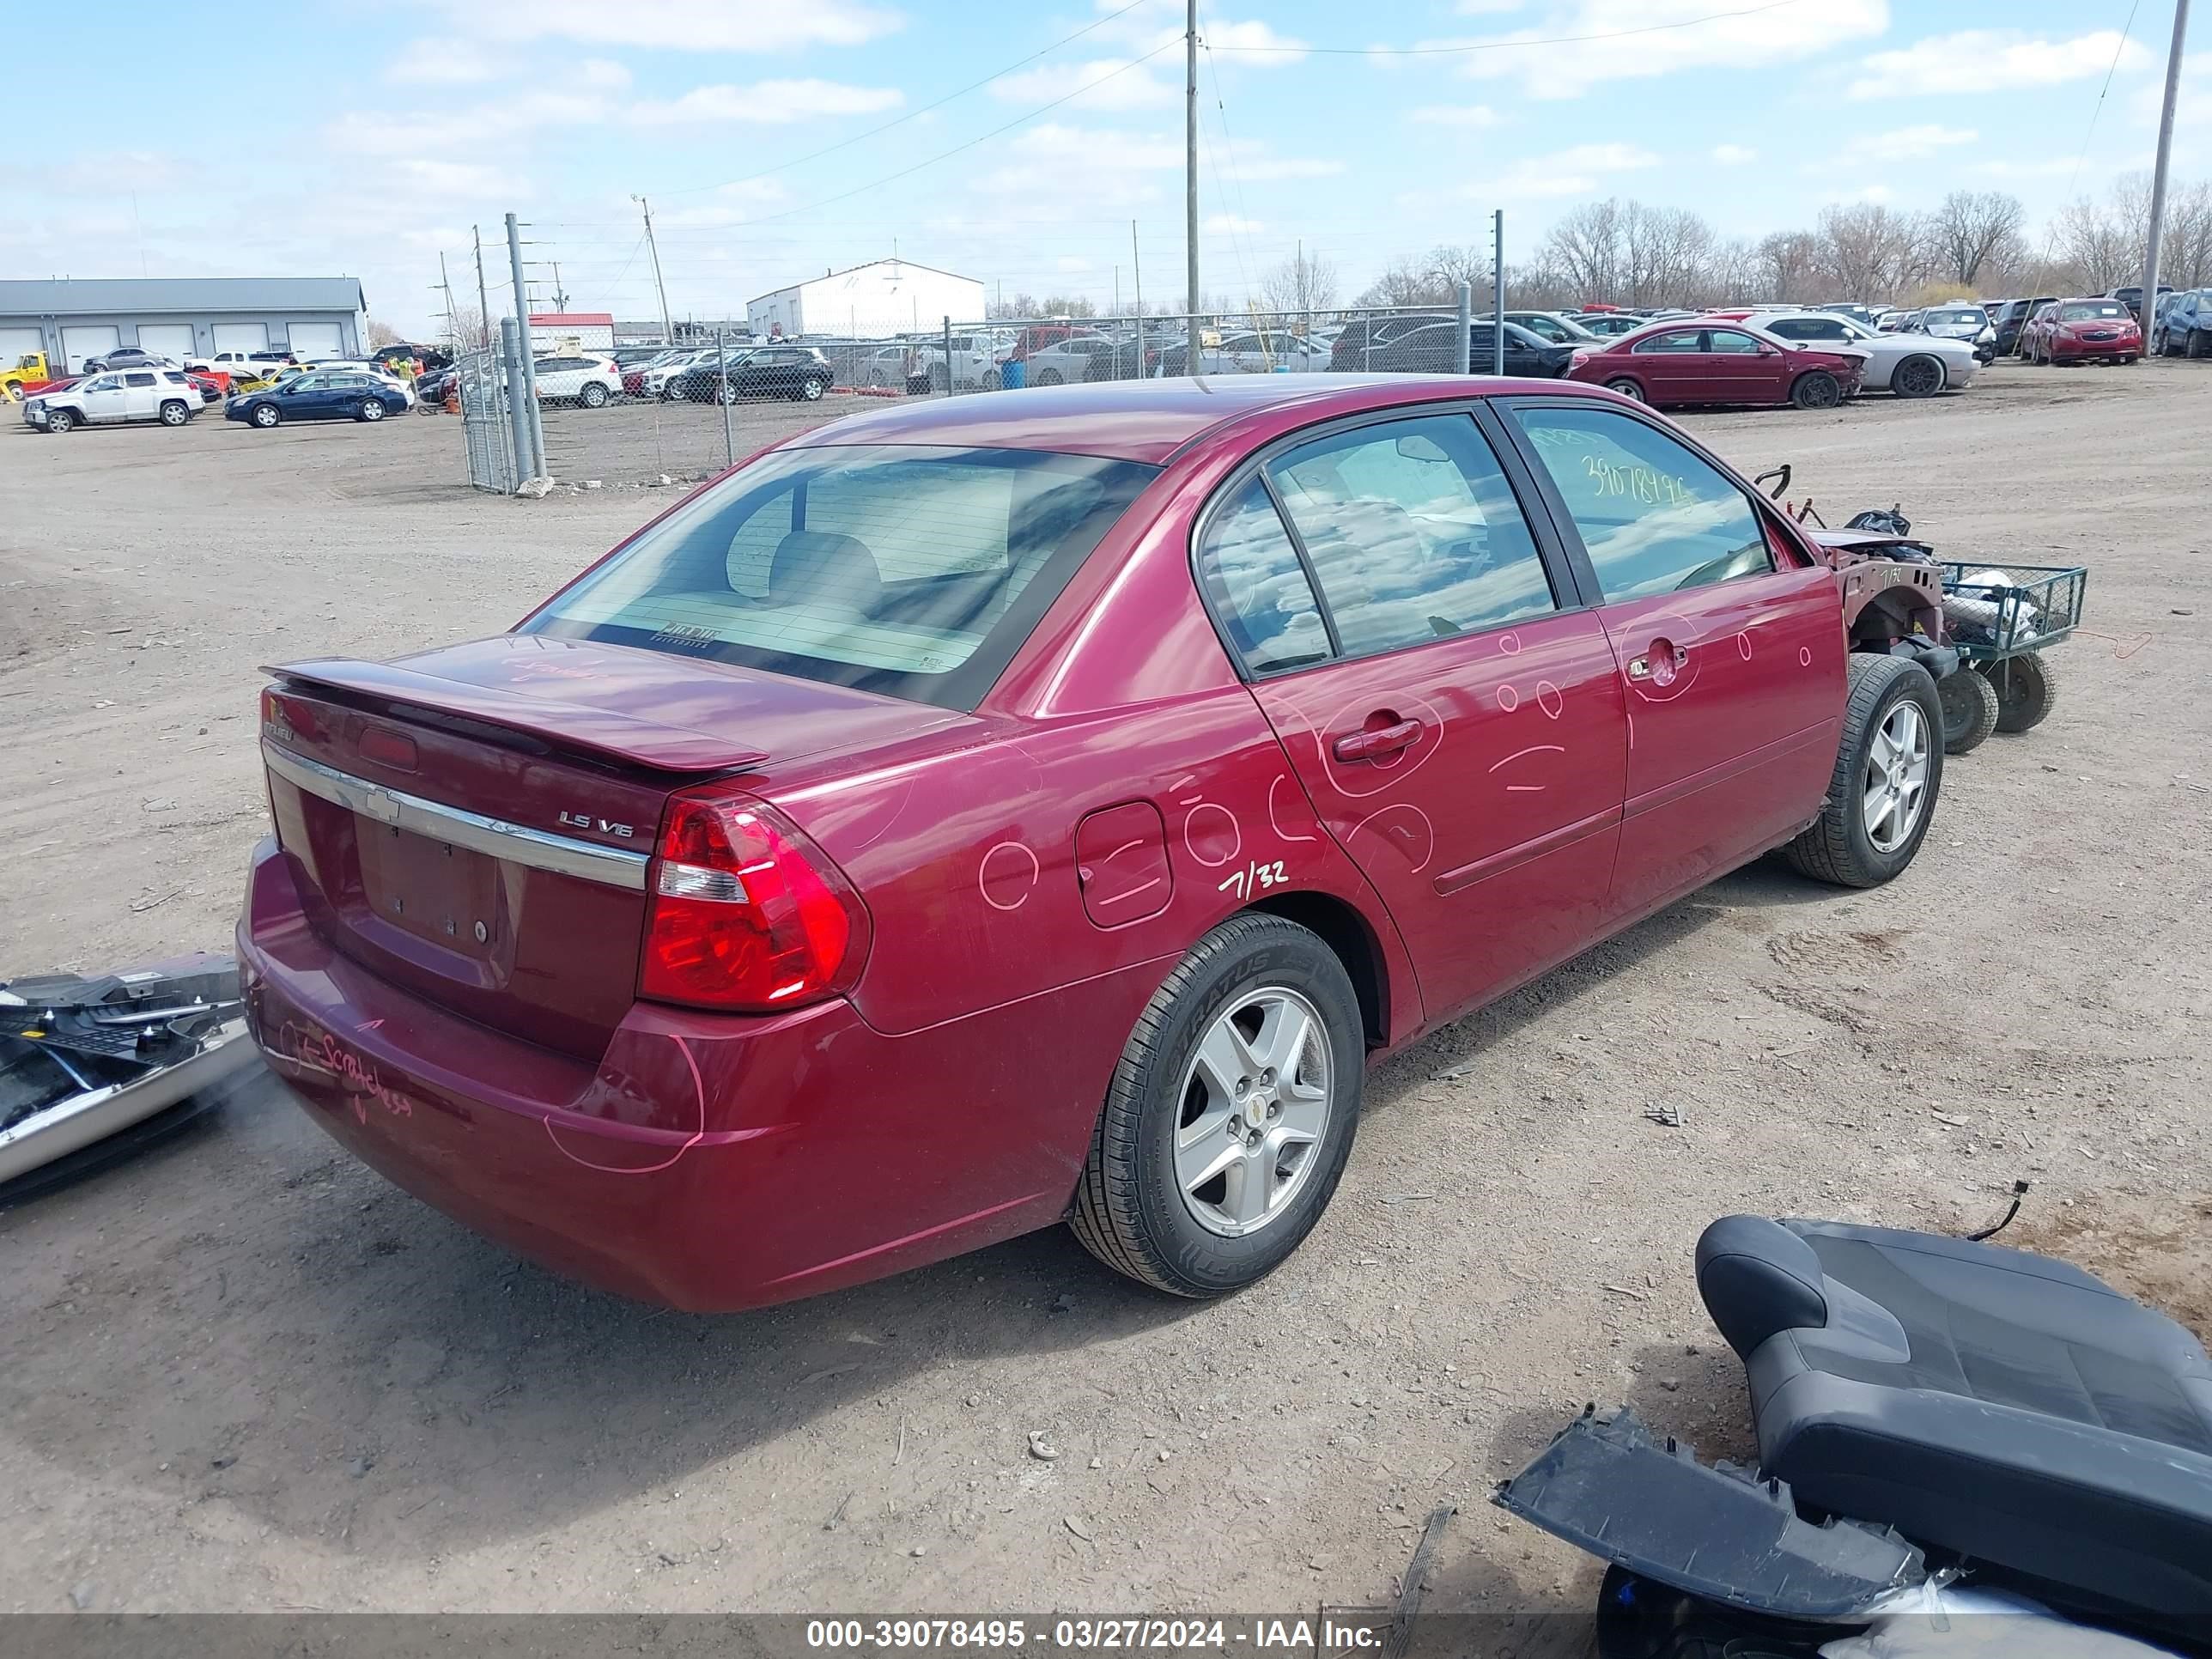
column 594, row 396
column 1627, row 388
column 1917, row 376
column 59, row 420
column 811, row 388
column 991, row 381
column 1886, row 699
column 1970, row 710
column 370, row 409
column 174, row 413
column 268, row 417
column 2027, row 691
column 1050, row 377
column 1816, row 389
column 2192, row 344
column 727, row 394
column 1256, row 979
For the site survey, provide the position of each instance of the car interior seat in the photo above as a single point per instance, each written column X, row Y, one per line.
column 2006, row 1408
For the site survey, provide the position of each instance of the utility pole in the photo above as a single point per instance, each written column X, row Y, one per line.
column 452, row 327
column 483, row 303
column 2158, row 174
column 1498, row 291
column 560, row 294
column 526, row 346
column 667, row 328
column 1136, row 267
column 1190, row 167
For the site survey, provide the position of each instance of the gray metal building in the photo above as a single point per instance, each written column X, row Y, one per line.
column 72, row 318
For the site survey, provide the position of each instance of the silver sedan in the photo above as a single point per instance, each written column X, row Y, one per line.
column 1909, row 365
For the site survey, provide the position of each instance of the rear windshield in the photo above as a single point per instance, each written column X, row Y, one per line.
column 2088, row 311
column 913, row 571
column 1957, row 314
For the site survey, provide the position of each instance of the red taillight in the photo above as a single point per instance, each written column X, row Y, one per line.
column 745, row 912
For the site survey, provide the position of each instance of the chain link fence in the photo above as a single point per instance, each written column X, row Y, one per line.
column 645, row 418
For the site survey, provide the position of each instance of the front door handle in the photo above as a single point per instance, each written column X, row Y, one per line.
column 1670, row 657
column 1373, row 745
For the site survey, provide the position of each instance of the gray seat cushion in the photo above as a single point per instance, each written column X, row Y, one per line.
column 1985, row 1402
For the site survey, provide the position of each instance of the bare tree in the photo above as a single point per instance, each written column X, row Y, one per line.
column 1871, row 252
column 1584, row 249
column 2102, row 242
column 2186, row 249
column 1303, row 282
column 1971, row 229
column 381, row 334
column 465, row 328
column 1789, row 263
column 1404, row 281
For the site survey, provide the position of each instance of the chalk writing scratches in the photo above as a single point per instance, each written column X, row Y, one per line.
column 1508, row 698
column 1743, row 646
column 1404, row 827
column 1210, row 828
column 1252, row 878
column 1275, row 822
column 1118, row 898
column 321, row 1052
column 1804, row 656
column 1006, row 881
column 1533, row 748
column 1510, row 643
column 1549, row 699
column 698, row 1134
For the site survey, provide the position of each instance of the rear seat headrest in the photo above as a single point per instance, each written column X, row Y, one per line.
column 1757, row 1277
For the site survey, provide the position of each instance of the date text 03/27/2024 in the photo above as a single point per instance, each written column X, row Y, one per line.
column 1099, row 1635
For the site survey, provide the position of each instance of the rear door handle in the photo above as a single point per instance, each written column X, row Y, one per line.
column 1372, row 746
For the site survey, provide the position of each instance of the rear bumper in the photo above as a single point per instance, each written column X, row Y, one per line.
column 707, row 1162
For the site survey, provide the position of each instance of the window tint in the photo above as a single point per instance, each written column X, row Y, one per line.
column 1257, row 586
column 1679, row 339
column 139, row 380
column 1414, row 532
column 1654, row 517
column 909, row 570
column 1731, row 342
column 2090, row 312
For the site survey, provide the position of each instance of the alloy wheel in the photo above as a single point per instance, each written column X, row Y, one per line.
column 1256, row 1104
column 1894, row 785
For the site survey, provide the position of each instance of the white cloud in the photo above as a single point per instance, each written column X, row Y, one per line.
column 1456, row 115
column 1872, row 195
column 681, row 25
column 1230, row 224
column 1254, row 40
column 1990, row 60
column 1633, row 40
column 1734, row 155
column 604, row 73
column 1905, row 143
column 439, row 60
column 426, row 132
column 766, row 102
column 2050, row 167
column 728, row 204
column 1485, row 7
column 1101, row 84
column 1582, row 170
column 1251, row 162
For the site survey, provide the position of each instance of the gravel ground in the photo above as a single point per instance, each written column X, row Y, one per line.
column 243, row 1373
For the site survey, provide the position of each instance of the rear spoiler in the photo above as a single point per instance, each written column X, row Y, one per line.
column 601, row 733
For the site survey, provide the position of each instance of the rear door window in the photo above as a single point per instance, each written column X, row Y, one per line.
column 1258, row 587
column 1653, row 515
column 1412, row 531
column 910, row 570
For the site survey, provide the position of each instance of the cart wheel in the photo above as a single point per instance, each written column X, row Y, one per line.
column 1970, row 711
column 2026, row 690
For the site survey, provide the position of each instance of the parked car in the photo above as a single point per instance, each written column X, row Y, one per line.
column 2083, row 332
column 975, row 358
column 128, row 357
column 2131, row 297
column 1248, row 351
column 1865, row 316
column 977, row 821
column 1069, row 358
column 2012, row 317
column 1670, row 364
column 1959, row 322
column 113, row 399
column 2184, row 327
column 653, row 379
column 590, row 381
column 1353, row 350
column 1553, row 325
column 797, row 372
column 1908, row 365
column 319, row 395
column 1610, row 325
column 1434, row 350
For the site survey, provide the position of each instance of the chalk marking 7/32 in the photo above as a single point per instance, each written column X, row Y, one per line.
column 1253, row 878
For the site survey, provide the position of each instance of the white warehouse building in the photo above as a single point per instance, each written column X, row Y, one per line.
column 72, row 318
column 873, row 301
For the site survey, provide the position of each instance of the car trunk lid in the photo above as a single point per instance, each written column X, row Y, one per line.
column 474, row 823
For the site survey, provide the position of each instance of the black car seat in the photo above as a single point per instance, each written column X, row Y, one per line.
column 1994, row 1404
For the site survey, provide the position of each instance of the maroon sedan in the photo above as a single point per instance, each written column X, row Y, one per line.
column 1716, row 361
column 979, row 814
column 2083, row 332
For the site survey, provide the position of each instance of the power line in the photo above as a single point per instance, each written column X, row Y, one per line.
column 2098, row 108
column 1464, row 48
column 843, row 143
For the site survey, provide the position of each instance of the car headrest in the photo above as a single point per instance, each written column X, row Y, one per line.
column 1758, row 1278
column 814, row 566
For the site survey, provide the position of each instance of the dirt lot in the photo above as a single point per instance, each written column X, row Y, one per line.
column 243, row 1373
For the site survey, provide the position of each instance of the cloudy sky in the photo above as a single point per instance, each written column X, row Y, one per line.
column 1016, row 140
